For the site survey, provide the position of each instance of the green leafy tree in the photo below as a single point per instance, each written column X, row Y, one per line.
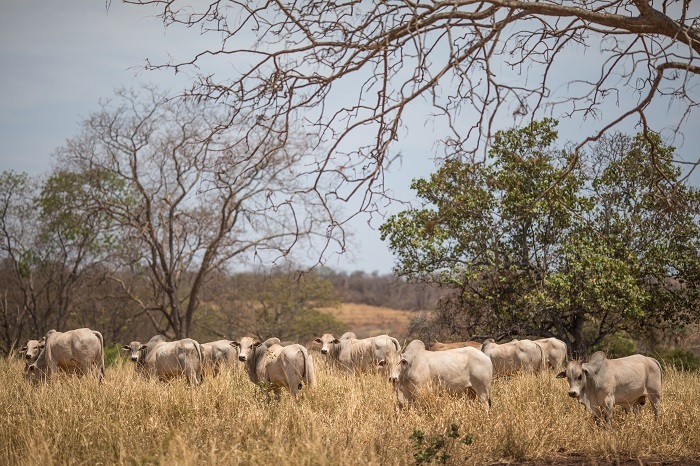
column 537, row 244
column 53, row 247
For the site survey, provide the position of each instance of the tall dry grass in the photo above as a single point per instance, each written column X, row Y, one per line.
column 346, row 421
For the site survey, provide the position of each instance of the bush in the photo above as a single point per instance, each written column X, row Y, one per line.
column 682, row 360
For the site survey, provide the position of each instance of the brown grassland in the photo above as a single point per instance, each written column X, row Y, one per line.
column 345, row 421
column 366, row 320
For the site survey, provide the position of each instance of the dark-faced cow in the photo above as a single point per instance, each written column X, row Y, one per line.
column 219, row 354
column 168, row 359
column 554, row 352
column 79, row 351
column 458, row 371
column 517, row 355
column 276, row 367
column 437, row 346
column 352, row 354
column 602, row 383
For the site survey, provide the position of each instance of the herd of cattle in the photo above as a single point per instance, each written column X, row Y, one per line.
column 459, row 368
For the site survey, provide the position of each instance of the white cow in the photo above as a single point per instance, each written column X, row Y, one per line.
column 31, row 351
column 459, row 371
column 218, row 354
column 168, row 359
column 514, row 356
column 554, row 352
column 276, row 367
column 351, row 353
column 79, row 351
column 602, row 383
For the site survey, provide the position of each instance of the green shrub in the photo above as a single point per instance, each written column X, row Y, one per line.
column 682, row 360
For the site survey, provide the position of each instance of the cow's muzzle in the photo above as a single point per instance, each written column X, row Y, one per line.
column 134, row 358
column 324, row 351
column 242, row 358
column 573, row 393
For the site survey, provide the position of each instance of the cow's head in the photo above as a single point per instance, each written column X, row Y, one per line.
column 575, row 374
column 327, row 341
column 136, row 351
column 32, row 349
column 394, row 364
column 486, row 343
column 245, row 347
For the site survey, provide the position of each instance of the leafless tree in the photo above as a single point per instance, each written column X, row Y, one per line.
column 353, row 68
column 188, row 197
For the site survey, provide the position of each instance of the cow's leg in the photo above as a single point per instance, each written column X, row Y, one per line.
column 482, row 391
column 655, row 399
column 608, row 408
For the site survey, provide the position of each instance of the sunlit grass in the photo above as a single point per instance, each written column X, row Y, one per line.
column 346, row 421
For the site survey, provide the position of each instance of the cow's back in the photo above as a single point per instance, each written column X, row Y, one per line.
column 554, row 352
column 634, row 376
column 458, row 371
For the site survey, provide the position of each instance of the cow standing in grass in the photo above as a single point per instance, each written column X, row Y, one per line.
column 353, row 354
column 602, row 383
column 517, row 355
column 79, row 351
column 218, row 354
column 276, row 367
column 458, row 371
column 168, row 359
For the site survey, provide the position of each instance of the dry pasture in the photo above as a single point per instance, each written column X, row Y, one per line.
column 347, row 421
column 366, row 320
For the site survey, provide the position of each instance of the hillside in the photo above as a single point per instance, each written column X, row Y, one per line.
column 366, row 320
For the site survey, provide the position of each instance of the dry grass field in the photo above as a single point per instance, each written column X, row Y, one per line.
column 346, row 421
column 366, row 320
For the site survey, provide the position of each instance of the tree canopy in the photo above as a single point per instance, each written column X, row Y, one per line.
column 612, row 246
column 356, row 72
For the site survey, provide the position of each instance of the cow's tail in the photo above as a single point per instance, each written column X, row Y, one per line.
column 101, row 360
column 200, row 356
column 661, row 371
column 543, row 358
column 309, row 373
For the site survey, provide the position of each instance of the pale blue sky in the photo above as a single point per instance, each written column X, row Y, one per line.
column 59, row 58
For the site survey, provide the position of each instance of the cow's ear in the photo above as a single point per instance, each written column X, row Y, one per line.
column 237, row 344
column 257, row 343
column 318, row 340
column 404, row 362
column 23, row 350
column 336, row 341
column 126, row 348
column 561, row 375
column 381, row 363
